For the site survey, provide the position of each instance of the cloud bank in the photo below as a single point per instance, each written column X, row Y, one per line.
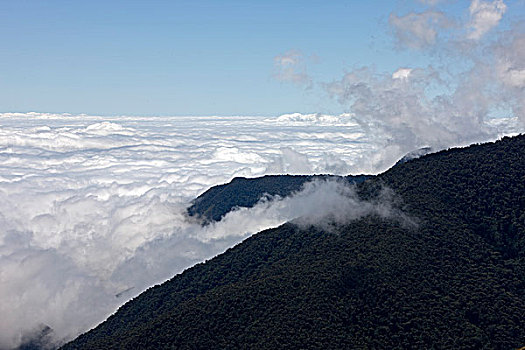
column 92, row 209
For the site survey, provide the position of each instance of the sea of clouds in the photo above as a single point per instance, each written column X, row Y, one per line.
column 92, row 209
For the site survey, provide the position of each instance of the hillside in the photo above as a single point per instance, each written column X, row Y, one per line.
column 457, row 280
column 213, row 204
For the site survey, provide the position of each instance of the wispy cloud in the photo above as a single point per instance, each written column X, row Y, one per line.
column 422, row 30
column 485, row 15
column 446, row 104
column 418, row 30
column 431, row 2
column 291, row 67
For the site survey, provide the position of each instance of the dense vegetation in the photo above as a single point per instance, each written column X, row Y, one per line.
column 456, row 281
column 213, row 204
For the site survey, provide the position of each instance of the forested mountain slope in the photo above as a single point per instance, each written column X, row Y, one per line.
column 216, row 202
column 456, row 280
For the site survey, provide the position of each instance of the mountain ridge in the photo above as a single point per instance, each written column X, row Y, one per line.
column 457, row 281
column 242, row 192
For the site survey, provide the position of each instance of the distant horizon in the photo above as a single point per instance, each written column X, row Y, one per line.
column 490, row 117
column 162, row 115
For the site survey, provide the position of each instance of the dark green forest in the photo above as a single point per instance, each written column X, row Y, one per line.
column 455, row 280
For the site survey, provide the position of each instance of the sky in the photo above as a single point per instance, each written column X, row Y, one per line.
column 197, row 57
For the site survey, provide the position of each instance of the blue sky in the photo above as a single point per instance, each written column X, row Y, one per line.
column 194, row 57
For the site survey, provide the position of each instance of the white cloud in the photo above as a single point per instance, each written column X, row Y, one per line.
column 93, row 206
column 291, row 67
column 418, row 30
column 513, row 77
column 508, row 69
column 424, row 30
column 485, row 15
column 431, row 2
column 511, row 60
column 92, row 209
column 449, row 103
column 398, row 112
column 402, row 73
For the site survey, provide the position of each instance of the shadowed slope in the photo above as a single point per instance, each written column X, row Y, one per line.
column 455, row 281
column 216, row 202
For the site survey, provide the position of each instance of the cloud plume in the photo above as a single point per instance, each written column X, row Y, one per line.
column 473, row 80
column 485, row 15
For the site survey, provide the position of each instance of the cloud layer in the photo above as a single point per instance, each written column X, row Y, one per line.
column 92, row 208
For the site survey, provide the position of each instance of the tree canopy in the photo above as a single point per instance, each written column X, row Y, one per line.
column 456, row 280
